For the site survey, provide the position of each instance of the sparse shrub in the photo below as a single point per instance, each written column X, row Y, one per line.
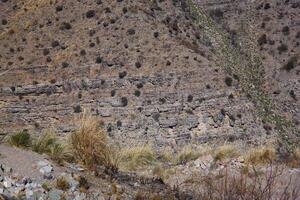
column 122, row 74
column 59, row 8
column 189, row 153
column 65, row 26
column 261, row 155
column 137, row 157
column 47, row 143
column 58, row 153
column 44, row 142
column 294, row 160
column 290, row 64
column 90, row 146
column 293, row 95
column 90, row 14
column 137, row 93
column 262, row 39
column 65, row 64
column 4, row 21
column 286, row 30
column 156, row 34
column 62, row 183
column 282, row 48
column 216, row 14
column 228, row 81
column 20, row 139
column 190, row 98
column 124, row 101
column 83, row 184
column 77, row 109
column 226, row 185
column 139, row 85
column 55, row 43
column 131, row 31
column 113, row 93
column 224, row 152
column 138, row 65
column 98, row 60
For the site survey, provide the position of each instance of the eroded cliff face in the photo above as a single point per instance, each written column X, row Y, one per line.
column 142, row 66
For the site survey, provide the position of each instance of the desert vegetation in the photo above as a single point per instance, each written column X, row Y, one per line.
column 258, row 178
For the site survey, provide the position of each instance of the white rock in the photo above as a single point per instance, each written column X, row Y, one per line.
column 43, row 163
column 7, row 182
column 46, row 169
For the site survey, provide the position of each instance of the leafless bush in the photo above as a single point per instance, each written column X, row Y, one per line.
column 267, row 185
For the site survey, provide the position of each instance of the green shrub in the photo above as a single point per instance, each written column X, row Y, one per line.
column 137, row 157
column 20, row 139
column 44, row 142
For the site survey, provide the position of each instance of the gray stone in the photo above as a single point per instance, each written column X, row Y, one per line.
column 54, row 194
column 46, row 169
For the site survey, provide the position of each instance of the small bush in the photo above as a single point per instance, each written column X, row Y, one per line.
column 226, row 151
column 137, row 157
column 47, row 143
column 290, row 64
column 20, row 139
column 189, row 153
column 261, row 155
column 228, row 81
column 294, row 160
column 282, row 48
column 228, row 186
column 62, row 183
column 44, row 142
column 124, row 101
column 90, row 14
column 90, row 146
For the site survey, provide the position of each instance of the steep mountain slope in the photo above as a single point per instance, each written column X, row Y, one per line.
column 142, row 66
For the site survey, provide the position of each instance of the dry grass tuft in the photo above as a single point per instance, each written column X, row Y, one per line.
column 224, row 152
column 44, row 142
column 262, row 155
column 189, row 153
column 90, row 146
column 228, row 185
column 137, row 157
column 62, row 183
column 20, row 139
column 48, row 143
column 294, row 160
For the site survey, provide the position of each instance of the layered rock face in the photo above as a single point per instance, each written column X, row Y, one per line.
column 141, row 66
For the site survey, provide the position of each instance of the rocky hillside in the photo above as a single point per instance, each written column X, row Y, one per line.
column 143, row 67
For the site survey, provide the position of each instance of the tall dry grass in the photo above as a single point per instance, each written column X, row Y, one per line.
column 90, row 145
column 267, row 185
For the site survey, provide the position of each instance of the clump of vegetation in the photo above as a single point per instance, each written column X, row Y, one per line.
column 224, row 152
column 282, row 48
column 137, row 157
column 20, row 139
column 261, row 155
column 228, row 81
column 90, row 146
column 228, row 186
column 290, row 64
column 62, row 183
column 44, row 142
column 294, row 160
column 189, row 153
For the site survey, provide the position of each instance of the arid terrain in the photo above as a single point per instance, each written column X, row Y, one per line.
column 182, row 91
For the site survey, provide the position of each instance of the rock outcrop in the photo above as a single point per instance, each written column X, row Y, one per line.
column 142, row 66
